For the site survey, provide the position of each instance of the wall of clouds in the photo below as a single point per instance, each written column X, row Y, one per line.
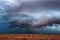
column 18, row 16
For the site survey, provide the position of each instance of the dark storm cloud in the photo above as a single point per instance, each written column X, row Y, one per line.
column 35, row 4
column 29, row 5
column 20, row 11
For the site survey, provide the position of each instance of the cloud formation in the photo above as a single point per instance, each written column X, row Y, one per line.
column 33, row 13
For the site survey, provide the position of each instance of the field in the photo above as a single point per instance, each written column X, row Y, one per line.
column 29, row 37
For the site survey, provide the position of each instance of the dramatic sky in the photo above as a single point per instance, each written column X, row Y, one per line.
column 18, row 16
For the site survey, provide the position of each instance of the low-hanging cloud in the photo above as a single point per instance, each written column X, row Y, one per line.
column 35, row 13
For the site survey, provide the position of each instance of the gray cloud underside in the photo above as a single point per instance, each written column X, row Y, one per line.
column 33, row 13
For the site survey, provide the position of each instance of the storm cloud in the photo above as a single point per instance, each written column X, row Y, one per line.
column 31, row 12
